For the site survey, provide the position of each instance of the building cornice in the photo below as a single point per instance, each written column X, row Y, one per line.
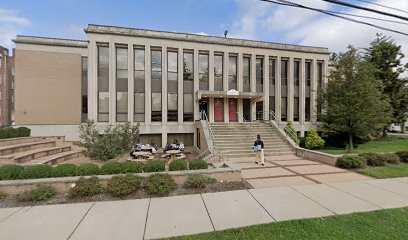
column 51, row 41
column 124, row 31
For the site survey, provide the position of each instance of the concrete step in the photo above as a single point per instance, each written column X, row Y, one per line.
column 39, row 153
column 55, row 158
column 239, row 155
column 20, row 140
column 10, row 149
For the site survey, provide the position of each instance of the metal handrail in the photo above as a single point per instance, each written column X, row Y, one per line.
column 248, row 127
column 203, row 116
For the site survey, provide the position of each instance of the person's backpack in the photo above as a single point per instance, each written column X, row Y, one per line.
column 257, row 148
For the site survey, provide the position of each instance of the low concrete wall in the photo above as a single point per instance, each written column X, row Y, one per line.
column 317, row 156
column 63, row 184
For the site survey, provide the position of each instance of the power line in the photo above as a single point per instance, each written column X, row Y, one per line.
column 292, row 4
column 384, row 6
column 365, row 9
column 367, row 17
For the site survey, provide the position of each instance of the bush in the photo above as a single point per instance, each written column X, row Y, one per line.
column 199, row 181
column 64, row 170
column 154, row 166
column 392, row 158
column 374, row 159
column 403, row 155
column 351, row 161
column 160, row 184
column 178, row 165
column 313, row 140
column 111, row 168
column 23, row 132
column 10, row 171
column 40, row 171
column 11, row 132
column 87, row 169
column 197, row 164
column 124, row 185
column 85, row 187
column 3, row 195
column 290, row 131
column 40, row 193
column 132, row 167
column 302, row 142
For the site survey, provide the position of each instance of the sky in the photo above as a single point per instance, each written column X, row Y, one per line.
column 248, row 19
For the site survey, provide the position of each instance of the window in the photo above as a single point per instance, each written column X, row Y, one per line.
column 308, row 72
column 84, row 89
column 284, row 72
column 319, row 74
column 188, row 87
column 203, row 71
column 296, row 72
column 232, row 72
column 156, row 78
column 246, row 75
column 307, row 109
column 139, row 85
column 103, row 83
column 272, row 72
column 284, row 107
column 218, row 72
column 259, row 74
column 121, row 84
column 272, row 104
column 172, row 86
column 296, row 109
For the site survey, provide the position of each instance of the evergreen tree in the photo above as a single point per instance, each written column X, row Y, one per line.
column 352, row 100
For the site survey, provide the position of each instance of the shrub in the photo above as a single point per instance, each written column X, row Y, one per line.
column 199, row 181
column 403, row 155
column 85, row 187
column 178, row 165
column 8, row 132
column 111, row 168
column 23, row 132
column 132, row 167
column 392, row 158
column 87, row 169
column 124, row 185
column 154, row 166
column 3, row 195
column 351, row 161
column 374, row 159
column 10, row 171
column 64, row 170
column 197, row 164
column 160, row 184
column 40, row 171
column 302, row 142
column 290, row 131
column 40, row 193
column 313, row 140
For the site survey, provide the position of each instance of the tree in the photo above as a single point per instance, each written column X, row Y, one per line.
column 386, row 57
column 352, row 100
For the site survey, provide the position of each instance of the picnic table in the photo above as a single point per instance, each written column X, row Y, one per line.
column 141, row 155
column 173, row 154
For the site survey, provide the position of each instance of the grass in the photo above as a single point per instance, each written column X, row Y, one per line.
column 386, row 172
column 383, row 224
column 390, row 144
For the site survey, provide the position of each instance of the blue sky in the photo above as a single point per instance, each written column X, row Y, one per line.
column 249, row 19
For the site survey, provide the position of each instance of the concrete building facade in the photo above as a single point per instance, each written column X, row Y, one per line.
column 163, row 80
column 6, row 87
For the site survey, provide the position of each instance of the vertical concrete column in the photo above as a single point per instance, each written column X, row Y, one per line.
column 313, row 91
column 112, row 82
column 164, row 85
column 253, row 73
column 211, row 70
column 225, row 71
column 240, row 108
column 131, row 84
column 302, row 92
column 211, row 109
column 278, row 85
column 240, row 80
column 180, row 98
column 266, row 87
column 148, row 85
column 196, row 85
column 226, row 110
column 93, row 81
column 291, row 88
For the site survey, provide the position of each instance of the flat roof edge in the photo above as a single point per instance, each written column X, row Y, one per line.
column 103, row 29
column 51, row 41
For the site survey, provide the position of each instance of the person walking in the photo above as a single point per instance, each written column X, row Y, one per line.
column 259, row 150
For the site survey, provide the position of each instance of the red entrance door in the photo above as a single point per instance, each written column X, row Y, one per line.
column 218, row 110
column 232, row 103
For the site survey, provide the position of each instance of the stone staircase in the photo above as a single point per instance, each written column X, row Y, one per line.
column 236, row 140
column 28, row 151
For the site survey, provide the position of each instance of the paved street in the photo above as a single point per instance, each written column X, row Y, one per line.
column 183, row 215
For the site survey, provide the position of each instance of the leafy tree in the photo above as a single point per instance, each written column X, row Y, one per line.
column 352, row 100
column 386, row 56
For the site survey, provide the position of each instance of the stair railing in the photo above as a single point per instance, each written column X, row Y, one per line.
column 289, row 132
column 246, row 124
column 204, row 117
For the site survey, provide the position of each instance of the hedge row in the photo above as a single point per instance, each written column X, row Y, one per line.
column 10, row 172
column 11, row 132
column 372, row 159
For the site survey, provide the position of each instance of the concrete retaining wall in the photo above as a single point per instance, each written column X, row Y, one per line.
column 317, row 156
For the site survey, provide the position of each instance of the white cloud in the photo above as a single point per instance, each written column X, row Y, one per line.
column 10, row 23
column 201, row 33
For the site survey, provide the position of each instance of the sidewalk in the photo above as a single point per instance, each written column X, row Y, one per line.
column 191, row 214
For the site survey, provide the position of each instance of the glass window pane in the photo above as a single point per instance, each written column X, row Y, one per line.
column 247, row 74
column 259, row 75
column 232, row 73
column 172, row 102
column 218, row 72
column 203, row 71
column 156, row 102
column 172, row 62
column 103, row 83
column 139, row 59
column 188, row 67
column 156, row 60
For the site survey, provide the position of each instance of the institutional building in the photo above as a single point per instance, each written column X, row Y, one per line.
column 6, row 87
column 162, row 80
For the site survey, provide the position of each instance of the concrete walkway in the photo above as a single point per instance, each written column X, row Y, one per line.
column 191, row 214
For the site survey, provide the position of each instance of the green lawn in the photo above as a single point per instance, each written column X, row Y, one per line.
column 390, row 144
column 386, row 172
column 383, row 224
